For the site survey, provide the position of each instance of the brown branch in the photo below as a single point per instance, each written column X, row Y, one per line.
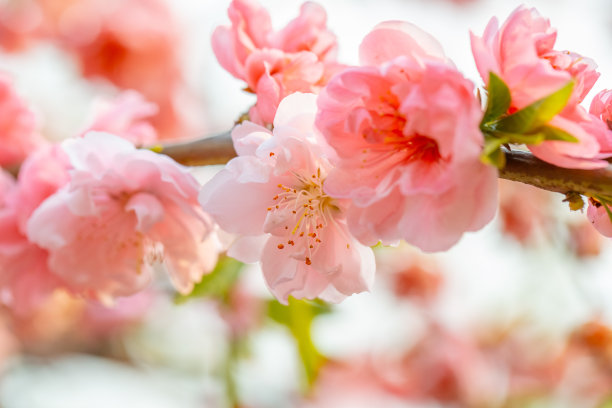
column 525, row 168
column 201, row 152
column 520, row 166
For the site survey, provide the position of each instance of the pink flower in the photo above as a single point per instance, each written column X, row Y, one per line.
column 599, row 217
column 122, row 210
column 133, row 44
column 128, row 116
column 525, row 212
column 298, row 58
column 17, row 126
column 408, row 140
column 272, row 196
column 25, row 280
column 521, row 53
column 601, row 108
column 20, row 23
column 7, row 184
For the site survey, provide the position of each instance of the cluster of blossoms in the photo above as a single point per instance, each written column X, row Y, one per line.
column 394, row 150
column 334, row 159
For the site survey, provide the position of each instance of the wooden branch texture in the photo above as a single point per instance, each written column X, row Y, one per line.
column 520, row 166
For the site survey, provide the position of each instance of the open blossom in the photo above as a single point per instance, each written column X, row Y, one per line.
column 18, row 135
column 128, row 116
column 298, row 58
column 521, row 53
column 272, row 196
column 406, row 130
column 122, row 210
column 25, row 279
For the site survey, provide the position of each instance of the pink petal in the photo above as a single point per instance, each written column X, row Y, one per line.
column 392, row 39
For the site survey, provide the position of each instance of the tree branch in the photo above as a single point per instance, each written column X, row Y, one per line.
column 520, row 166
column 201, row 152
column 525, row 168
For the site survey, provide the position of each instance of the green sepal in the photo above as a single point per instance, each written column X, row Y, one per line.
column 492, row 153
column 530, row 118
column 498, row 100
column 553, row 133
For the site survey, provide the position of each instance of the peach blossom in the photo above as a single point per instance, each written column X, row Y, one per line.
column 25, row 280
column 525, row 212
column 133, row 44
column 288, row 222
column 20, row 24
column 408, row 142
column 298, row 58
column 17, row 126
column 601, row 108
column 593, row 137
column 128, row 116
column 122, row 210
column 521, row 53
column 584, row 240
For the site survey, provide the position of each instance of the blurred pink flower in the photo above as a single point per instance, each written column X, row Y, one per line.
column 132, row 43
column 18, row 134
column 100, row 321
column 406, row 130
column 411, row 274
column 442, row 367
column 128, row 116
column 20, row 23
column 272, row 195
column 521, row 53
column 584, row 240
column 525, row 212
column 298, row 58
column 122, row 210
column 25, row 280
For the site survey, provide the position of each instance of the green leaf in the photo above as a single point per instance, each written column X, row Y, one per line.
column 217, row 283
column 298, row 317
column 528, row 138
column 528, row 119
column 498, row 100
column 553, row 133
column 492, row 153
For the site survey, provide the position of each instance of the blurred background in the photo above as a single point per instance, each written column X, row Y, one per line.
column 516, row 315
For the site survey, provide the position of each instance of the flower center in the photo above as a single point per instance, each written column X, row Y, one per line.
column 386, row 135
column 310, row 210
column 417, row 147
